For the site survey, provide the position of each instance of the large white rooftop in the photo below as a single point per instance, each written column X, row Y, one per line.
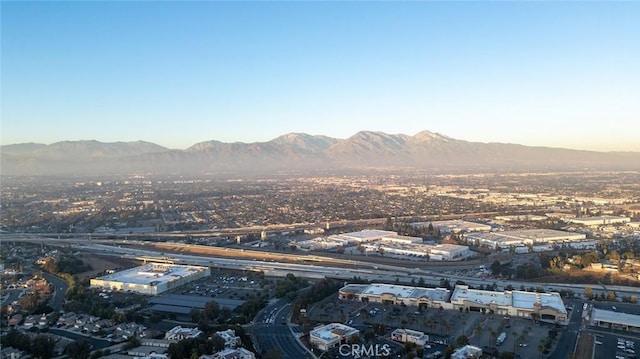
column 400, row 291
column 152, row 273
column 533, row 236
column 368, row 234
column 454, row 225
column 608, row 316
column 516, row 299
column 481, row 296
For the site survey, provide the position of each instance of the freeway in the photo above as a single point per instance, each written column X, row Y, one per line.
column 320, row 267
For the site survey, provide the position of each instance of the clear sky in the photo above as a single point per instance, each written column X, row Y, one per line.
column 561, row 74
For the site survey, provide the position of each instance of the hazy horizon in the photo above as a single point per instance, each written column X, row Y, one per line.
column 271, row 139
column 561, row 75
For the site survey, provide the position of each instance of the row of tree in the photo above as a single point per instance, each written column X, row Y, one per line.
column 42, row 346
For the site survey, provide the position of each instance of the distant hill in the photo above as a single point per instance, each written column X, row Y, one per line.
column 299, row 151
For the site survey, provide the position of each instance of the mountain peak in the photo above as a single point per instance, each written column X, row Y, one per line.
column 299, row 151
column 428, row 135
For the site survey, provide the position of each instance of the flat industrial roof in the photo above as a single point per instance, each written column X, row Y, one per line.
column 517, row 299
column 192, row 301
column 400, row 291
column 534, row 235
column 152, row 272
column 454, row 224
column 481, row 296
column 609, row 316
column 368, row 233
column 170, row 309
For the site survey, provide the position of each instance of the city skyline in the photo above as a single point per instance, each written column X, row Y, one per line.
column 175, row 74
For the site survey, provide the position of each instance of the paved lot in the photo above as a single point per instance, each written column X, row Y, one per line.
column 615, row 346
column 442, row 326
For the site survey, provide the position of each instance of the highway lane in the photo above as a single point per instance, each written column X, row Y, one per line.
column 361, row 269
column 317, row 270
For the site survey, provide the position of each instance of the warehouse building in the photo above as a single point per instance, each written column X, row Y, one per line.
column 454, row 226
column 599, row 221
column 524, row 237
column 151, row 278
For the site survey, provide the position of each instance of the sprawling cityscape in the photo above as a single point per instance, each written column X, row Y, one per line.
column 410, row 264
column 319, row 179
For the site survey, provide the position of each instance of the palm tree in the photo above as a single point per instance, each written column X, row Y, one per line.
column 494, row 334
column 541, row 347
column 478, row 333
column 364, row 313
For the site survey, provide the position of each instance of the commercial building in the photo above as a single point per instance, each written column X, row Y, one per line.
column 331, row 335
column 599, row 221
column 356, row 238
column 395, row 294
column 449, row 252
column 615, row 320
column 521, row 218
column 467, row 352
column 454, row 226
column 410, row 336
column 364, row 236
column 151, row 278
column 525, row 237
column 541, row 306
column 439, row 252
column 180, row 333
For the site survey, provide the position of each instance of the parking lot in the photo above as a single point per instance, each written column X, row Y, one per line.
column 228, row 285
column 523, row 336
column 615, row 346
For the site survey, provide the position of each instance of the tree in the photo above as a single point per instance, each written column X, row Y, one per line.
column 218, row 342
column 42, row 347
column 541, row 346
column 462, row 341
column 496, row 267
column 478, row 333
column 211, row 310
column 78, row 349
column 196, row 315
column 588, row 292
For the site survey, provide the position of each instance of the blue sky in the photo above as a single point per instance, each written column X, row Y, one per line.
column 561, row 74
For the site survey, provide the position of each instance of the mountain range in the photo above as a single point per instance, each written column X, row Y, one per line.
column 300, row 151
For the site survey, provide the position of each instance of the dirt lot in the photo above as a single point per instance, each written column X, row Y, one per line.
column 102, row 263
